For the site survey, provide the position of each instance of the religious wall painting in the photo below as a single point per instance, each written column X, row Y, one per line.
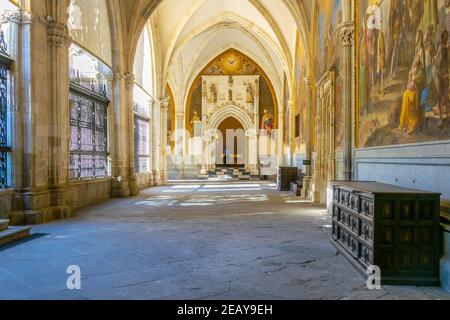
column 328, row 55
column 286, row 115
column 403, row 71
column 300, row 98
column 195, row 106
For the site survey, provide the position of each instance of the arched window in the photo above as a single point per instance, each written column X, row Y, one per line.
column 90, row 63
column 142, row 102
column 5, row 100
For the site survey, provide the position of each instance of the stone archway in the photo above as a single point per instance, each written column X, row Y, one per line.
column 230, row 147
column 250, row 127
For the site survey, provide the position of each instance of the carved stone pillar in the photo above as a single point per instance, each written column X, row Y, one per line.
column 156, row 150
column 307, row 188
column 291, row 140
column 347, row 35
column 58, row 60
column 130, row 81
column 123, row 176
column 179, row 143
column 151, row 181
column 164, row 140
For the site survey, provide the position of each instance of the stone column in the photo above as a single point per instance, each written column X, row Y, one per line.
column 42, row 68
column 178, row 158
column 307, row 188
column 156, row 150
column 59, row 128
column 123, row 176
column 164, row 141
column 347, row 35
column 257, row 170
column 280, row 137
column 291, row 140
column 151, row 181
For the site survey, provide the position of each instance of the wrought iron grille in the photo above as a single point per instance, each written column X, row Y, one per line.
column 141, row 144
column 5, row 148
column 89, row 155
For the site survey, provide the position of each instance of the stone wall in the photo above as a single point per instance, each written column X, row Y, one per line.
column 424, row 166
column 89, row 192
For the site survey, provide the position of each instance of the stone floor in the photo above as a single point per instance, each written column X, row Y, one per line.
column 205, row 241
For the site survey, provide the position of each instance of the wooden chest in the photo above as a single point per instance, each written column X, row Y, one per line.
column 285, row 176
column 390, row 227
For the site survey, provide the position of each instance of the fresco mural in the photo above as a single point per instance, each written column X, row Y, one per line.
column 328, row 15
column 300, row 98
column 233, row 62
column 403, row 71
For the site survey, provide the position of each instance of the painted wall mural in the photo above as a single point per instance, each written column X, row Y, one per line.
column 328, row 56
column 300, row 98
column 233, row 62
column 403, row 71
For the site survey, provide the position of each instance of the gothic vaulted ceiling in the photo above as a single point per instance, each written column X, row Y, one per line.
column 188, row 34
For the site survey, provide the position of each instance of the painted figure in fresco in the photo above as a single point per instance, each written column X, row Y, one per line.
column 213, row 97
column 373, row 20
column 381, row 58
column 441, row 74
column 430, row 15
column 363, row 71
column 396, row 28
column 417, row 76
column 418, row 72
column 250, row 95
column 328, row 52
column 267, row 122
column 410, row 114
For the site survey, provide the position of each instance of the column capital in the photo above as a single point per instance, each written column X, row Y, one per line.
column 129, row 79
column 347, row 34
column 58, row 35
column 164, row 103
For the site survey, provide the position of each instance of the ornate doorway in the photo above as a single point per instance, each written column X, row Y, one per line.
column 230, row 147
column 324, row 164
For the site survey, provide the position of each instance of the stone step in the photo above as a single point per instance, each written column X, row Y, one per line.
column 14, row 234
column 4, row 225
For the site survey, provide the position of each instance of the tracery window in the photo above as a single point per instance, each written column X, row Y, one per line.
column 90, row 60
column 89, row 155
column 141, row 130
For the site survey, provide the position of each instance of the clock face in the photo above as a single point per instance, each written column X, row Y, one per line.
column 231, row 63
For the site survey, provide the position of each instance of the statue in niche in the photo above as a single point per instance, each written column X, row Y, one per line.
column 213, row 96
column 230, row 95
column 195, row 118
column 267, row 122
column 250, row 94
column 230, row 81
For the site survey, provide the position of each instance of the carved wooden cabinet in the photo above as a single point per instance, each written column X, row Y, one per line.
column 285, row 176
column 390, row 227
